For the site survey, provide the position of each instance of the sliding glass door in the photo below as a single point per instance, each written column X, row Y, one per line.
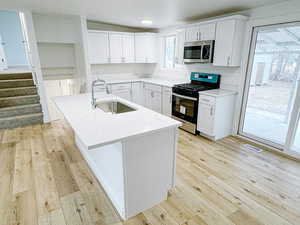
column 271, row 95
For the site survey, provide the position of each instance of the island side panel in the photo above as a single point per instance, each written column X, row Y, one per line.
column 106, row 162
column 149, row 163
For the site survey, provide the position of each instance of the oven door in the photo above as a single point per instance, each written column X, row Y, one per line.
column 185, row 108
column 192, row 52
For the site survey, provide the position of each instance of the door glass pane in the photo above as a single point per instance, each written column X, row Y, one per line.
column 271, row 95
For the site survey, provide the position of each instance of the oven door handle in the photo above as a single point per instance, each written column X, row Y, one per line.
column 186, row 97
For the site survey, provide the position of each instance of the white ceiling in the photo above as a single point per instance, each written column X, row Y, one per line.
column 131, row 12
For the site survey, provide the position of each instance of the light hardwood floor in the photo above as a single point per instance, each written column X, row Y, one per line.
column 44, row 180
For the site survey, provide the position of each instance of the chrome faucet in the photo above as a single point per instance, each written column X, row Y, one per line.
column 96, row 83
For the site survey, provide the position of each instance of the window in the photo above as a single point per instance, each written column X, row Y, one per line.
column 169, row 54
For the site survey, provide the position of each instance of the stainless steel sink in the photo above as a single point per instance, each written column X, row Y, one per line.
column 114, row 107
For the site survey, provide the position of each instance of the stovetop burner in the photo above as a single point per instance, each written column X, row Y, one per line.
column 193, row 87
column 199, row 82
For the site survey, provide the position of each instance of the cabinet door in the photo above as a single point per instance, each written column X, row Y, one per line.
column 180, row 38
column 224, row 42
column 98, row 47
column 192, row 33
column 207, row 32
column 150, row 46
column 205, row 121
column 115, row 47
column 128, row 48
column 140, row 53
column 148, row 98
column 137, row 93
column 167, row 102
column 156, row 101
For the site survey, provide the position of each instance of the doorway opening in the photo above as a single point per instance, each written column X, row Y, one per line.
column 14, row 48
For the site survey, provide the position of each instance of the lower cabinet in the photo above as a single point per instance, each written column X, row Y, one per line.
column 151, row 96
column 215, row 115
column 137, row 93
column 121, row 90
column 167, row 101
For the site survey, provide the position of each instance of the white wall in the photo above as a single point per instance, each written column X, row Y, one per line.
column 61, row 36
column 12, row 36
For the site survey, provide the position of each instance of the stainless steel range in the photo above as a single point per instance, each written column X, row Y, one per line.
column 185, row 98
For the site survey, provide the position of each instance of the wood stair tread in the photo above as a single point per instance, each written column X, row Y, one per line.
column 21, row 117
column 15, row 80
column 18, row 107
column 18, row 97
column 16, row 88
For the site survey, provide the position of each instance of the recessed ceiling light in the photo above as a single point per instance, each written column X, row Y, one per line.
column 147, row 22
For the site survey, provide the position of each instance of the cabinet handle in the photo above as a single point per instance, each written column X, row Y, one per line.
column 228, row 60
column 170, row 99
column 211, row 111
column 152, row 94
column 197, row 36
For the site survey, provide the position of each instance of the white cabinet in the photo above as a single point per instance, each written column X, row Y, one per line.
column 229, row 41
column 200, row 32
column 180, row 39
column 115, row 47
column 137, row 93
column 57, row 88
column 153, row 97
column 215, row 113
column 207, row 32
column 192, row 33
column 121, row 47
column 167, row 101
column 122, row 90
column 98, row 47
column 128, row 48
column 206, row 118
column 145, row 47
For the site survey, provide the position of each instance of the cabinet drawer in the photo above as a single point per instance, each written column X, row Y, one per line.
column 120, row 86
column 207, row 99
column 152, row 87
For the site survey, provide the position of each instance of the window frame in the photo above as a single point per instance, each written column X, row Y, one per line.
column 164, row 67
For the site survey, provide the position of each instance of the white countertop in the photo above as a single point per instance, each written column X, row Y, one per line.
column 218, row 92
column 95, row 127
column 156, row 81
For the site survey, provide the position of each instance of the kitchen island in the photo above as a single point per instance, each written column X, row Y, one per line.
column 130, row 149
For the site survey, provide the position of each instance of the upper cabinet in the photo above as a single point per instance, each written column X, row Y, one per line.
column 98, row 47
column 229, row 41
column 145, row 47
column 128, row 48
column 200, row 32
column 121, row 47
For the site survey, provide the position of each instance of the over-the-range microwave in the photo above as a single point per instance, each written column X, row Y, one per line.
column 199, row 52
